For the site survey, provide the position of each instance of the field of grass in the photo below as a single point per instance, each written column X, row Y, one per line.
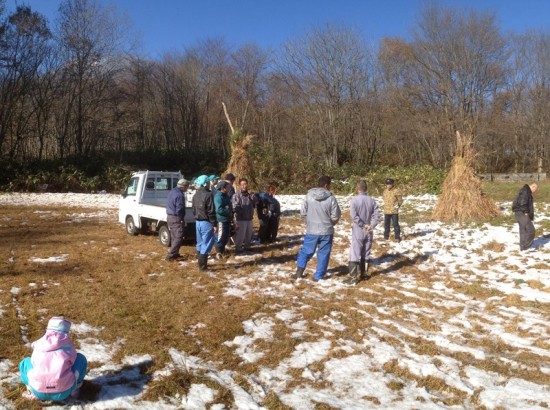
column 419, row 328
column 507, row 191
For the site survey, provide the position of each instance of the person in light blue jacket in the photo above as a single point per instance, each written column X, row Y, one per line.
column 321, row 212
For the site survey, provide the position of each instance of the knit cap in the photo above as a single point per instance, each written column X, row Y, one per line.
column 183, row 182
column 59, row 324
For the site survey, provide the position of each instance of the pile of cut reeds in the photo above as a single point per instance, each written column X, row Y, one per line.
column 461, row 198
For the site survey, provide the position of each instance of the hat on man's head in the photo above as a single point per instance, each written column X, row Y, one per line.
column 389, row 181
column 213, row 177
column 59, row 324
column 183, row 182
column 201, row 180
column 230, row 177
column 221, row 185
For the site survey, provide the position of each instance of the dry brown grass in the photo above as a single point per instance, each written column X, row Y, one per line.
column 272, row 402
column 122, row 286
column 449, row 395
column 494, row 246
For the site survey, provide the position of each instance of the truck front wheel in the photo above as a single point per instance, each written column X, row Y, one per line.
column 164, row 235
column 131, row 226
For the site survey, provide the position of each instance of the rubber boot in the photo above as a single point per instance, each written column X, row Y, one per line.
column 203, row 262
column 364, row 268
column 354, row 275
column 299, row 273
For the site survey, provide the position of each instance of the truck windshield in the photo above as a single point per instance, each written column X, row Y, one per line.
column 131, row 189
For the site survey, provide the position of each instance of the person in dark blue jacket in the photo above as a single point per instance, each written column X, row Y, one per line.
column 269, row 213
column 175, row 218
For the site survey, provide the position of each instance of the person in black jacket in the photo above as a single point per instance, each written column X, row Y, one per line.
column 269, row 213
column 204, row 211
column 525, row 213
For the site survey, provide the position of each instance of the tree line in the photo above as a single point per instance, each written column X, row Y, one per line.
column 73, row 89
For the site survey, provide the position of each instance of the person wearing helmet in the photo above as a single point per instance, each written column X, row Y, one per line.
column 205, row 213
column 213, row 184
column 392, row 202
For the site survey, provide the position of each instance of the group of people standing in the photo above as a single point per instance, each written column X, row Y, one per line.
column 322, row 212
column 222, row 214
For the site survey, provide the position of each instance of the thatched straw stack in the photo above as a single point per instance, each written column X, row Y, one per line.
column 239, row 163
column 461, row 197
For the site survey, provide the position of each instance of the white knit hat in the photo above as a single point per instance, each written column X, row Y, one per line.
column 59, row 324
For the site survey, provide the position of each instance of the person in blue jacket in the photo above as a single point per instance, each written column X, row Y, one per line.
column 175, row 217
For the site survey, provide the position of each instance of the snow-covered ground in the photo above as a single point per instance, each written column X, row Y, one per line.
column 486, row 256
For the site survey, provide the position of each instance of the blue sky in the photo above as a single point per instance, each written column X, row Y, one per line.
column 168, row 25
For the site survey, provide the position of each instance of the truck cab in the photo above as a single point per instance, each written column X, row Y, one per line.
column 142, row 204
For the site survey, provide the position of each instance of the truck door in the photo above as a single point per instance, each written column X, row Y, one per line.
column 128, row 205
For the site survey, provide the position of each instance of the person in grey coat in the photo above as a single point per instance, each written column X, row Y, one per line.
column 364, row 218
column 321, row 212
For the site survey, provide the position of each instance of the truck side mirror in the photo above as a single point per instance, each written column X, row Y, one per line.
column 123, row 193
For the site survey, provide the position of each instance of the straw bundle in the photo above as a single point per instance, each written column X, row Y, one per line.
column 240, row 164
column 461, row 197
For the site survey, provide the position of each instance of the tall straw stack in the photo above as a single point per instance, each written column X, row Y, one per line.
column 239, row 163
column 461, row 196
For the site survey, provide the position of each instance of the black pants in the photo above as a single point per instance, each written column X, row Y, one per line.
column 526, row 231
column 388, row 218
column 269, row 227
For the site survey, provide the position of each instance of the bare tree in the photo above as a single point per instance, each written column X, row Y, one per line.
column 23, row 48
column 459, row 59
column 90, row 46
column 325, row 73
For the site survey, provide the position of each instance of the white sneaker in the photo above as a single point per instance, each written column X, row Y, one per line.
column 219, row 256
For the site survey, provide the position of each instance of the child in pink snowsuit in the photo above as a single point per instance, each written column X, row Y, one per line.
column 55, row 369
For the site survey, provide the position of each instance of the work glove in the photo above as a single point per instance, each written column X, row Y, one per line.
column 367, row 228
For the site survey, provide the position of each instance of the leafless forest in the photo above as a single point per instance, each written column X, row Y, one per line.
column 74, row 88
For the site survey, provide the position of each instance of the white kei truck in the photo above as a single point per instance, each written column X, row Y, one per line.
column 142, row 205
